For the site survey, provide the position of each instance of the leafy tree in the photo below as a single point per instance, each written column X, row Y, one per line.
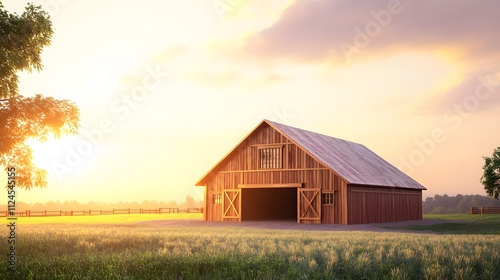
column 190, row 202
column 22, row 39
column 491, row 175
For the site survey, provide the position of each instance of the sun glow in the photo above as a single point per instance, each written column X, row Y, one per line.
column 43, row 152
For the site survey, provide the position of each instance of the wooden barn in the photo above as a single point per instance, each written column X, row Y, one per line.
column 278, row 172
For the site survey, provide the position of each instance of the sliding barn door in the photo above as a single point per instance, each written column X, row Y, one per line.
column 308, row 205
column 231, row 206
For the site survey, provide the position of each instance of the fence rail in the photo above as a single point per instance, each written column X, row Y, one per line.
column 90, row 212
column 485, row 210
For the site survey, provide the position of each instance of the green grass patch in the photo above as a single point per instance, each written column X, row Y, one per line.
column 459, row 224
column 104, row 219
column 464, row 217
column 161, row 252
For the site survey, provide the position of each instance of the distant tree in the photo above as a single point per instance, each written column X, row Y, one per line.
column 465, row 204
column 37, row 207
column 491, row 174
column 22, row 206
column 92, row 205
column 439, row 210
column 71, row 205
column 190, row 202
column 52, row 206
column 150, row 204
column 134, row 205
column 22, row 38
column 456, row 204
column 172, row 204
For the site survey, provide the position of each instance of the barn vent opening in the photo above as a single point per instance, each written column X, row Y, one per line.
column 264, row 204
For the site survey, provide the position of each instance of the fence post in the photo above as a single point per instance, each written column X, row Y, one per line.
column 45, row 213
column 482, row 210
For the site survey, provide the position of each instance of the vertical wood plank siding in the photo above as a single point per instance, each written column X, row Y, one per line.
column 353, row 204
column 378, row 204
column 242, row 167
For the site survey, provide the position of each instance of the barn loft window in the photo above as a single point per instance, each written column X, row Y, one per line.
column 327, row 198
column 216, row 198
column 270, row 157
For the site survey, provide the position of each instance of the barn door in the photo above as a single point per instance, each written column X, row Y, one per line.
column 231, row 205
column 308, row 205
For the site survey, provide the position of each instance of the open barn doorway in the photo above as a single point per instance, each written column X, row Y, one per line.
column 268, row 203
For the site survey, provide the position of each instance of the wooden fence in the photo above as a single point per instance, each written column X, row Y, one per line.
column 485, row 210
column 90, row 212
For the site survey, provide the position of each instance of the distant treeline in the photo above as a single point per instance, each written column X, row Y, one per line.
column 444, row 204
column 78, row 206
column 439, row 204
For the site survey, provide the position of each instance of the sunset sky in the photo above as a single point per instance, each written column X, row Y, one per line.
column 166, row 88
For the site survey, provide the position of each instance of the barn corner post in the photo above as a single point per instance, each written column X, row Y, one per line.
column 205, row 210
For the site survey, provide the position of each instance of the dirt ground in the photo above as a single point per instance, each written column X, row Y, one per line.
column 291, row 225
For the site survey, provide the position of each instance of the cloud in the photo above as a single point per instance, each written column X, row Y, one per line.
column 343, row 32
column 218, row 65
column 479, row 91
column 315, row 30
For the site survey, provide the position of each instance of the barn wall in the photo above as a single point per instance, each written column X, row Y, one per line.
column 241, row 167
column 378, row 204
column 213, row 212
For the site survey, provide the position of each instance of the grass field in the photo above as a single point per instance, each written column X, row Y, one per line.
column 461, row 224
column 105, row 219
column 103, row 250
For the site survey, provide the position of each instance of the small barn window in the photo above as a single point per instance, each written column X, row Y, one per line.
column 270, row 158
column 327, row 198
column 216, row 198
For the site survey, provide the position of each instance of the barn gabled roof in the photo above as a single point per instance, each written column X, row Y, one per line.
column 352, row 161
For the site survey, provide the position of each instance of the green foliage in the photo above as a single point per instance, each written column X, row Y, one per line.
column 158, row 252
column 459, row 204
column 22, row 39
column 33, row 117
column 491, row 174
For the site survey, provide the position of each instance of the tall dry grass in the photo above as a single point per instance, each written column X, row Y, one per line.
column 154, row 252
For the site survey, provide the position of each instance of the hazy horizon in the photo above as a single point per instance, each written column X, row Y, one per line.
column 167, row 88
